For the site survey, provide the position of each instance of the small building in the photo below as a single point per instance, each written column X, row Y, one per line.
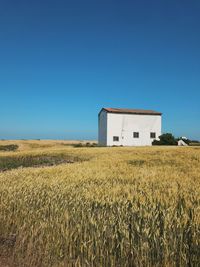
column 183, row 141
column 128, row 127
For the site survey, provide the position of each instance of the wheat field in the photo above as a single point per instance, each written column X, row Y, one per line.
column 99, row 207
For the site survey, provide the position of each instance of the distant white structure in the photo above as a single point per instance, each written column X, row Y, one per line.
column 128, row 127
column 182, row 141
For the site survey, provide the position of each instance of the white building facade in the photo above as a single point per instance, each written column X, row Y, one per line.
column 128, row 127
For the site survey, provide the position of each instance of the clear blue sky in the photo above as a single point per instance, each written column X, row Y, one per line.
column 62, row 61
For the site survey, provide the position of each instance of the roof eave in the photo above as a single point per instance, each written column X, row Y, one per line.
column 136, row 113
column 103, row 109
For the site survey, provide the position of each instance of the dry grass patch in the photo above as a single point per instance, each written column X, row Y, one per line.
column 124, row 207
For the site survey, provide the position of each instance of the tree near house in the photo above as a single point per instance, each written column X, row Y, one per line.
column 166, row 139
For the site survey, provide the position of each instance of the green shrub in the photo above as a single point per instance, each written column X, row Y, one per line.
column 166, row 139
column 78, row 145
column 88, row 144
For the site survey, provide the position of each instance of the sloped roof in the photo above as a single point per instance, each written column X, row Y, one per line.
column 131, row 111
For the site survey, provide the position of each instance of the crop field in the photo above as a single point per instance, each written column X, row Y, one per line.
column 64, row 205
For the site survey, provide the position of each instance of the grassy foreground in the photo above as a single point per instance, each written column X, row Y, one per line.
column 115, row 207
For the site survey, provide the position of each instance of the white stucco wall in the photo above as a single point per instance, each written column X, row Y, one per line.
column 102, row 134
column 123, row 126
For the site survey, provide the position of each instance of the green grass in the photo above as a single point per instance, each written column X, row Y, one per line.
column 13, row 162
column 8, row 147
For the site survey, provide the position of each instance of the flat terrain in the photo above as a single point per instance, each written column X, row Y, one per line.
column 64, row 205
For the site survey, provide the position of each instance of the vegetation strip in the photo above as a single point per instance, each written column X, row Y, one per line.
column 13, row 162
column 8, row 147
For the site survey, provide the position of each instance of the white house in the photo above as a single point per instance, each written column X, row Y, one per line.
column 128, row 127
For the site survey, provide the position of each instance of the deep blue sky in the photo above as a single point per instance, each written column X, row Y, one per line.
column 62, row 61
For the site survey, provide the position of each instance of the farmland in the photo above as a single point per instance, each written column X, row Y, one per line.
column 62, row 205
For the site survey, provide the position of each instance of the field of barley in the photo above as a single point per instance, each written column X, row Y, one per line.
column 62, row 205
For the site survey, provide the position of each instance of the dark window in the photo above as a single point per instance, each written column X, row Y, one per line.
column 116, row 138
column 135, row 135
column 153, row 135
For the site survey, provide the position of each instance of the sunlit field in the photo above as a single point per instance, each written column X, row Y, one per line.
column 62, row 205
